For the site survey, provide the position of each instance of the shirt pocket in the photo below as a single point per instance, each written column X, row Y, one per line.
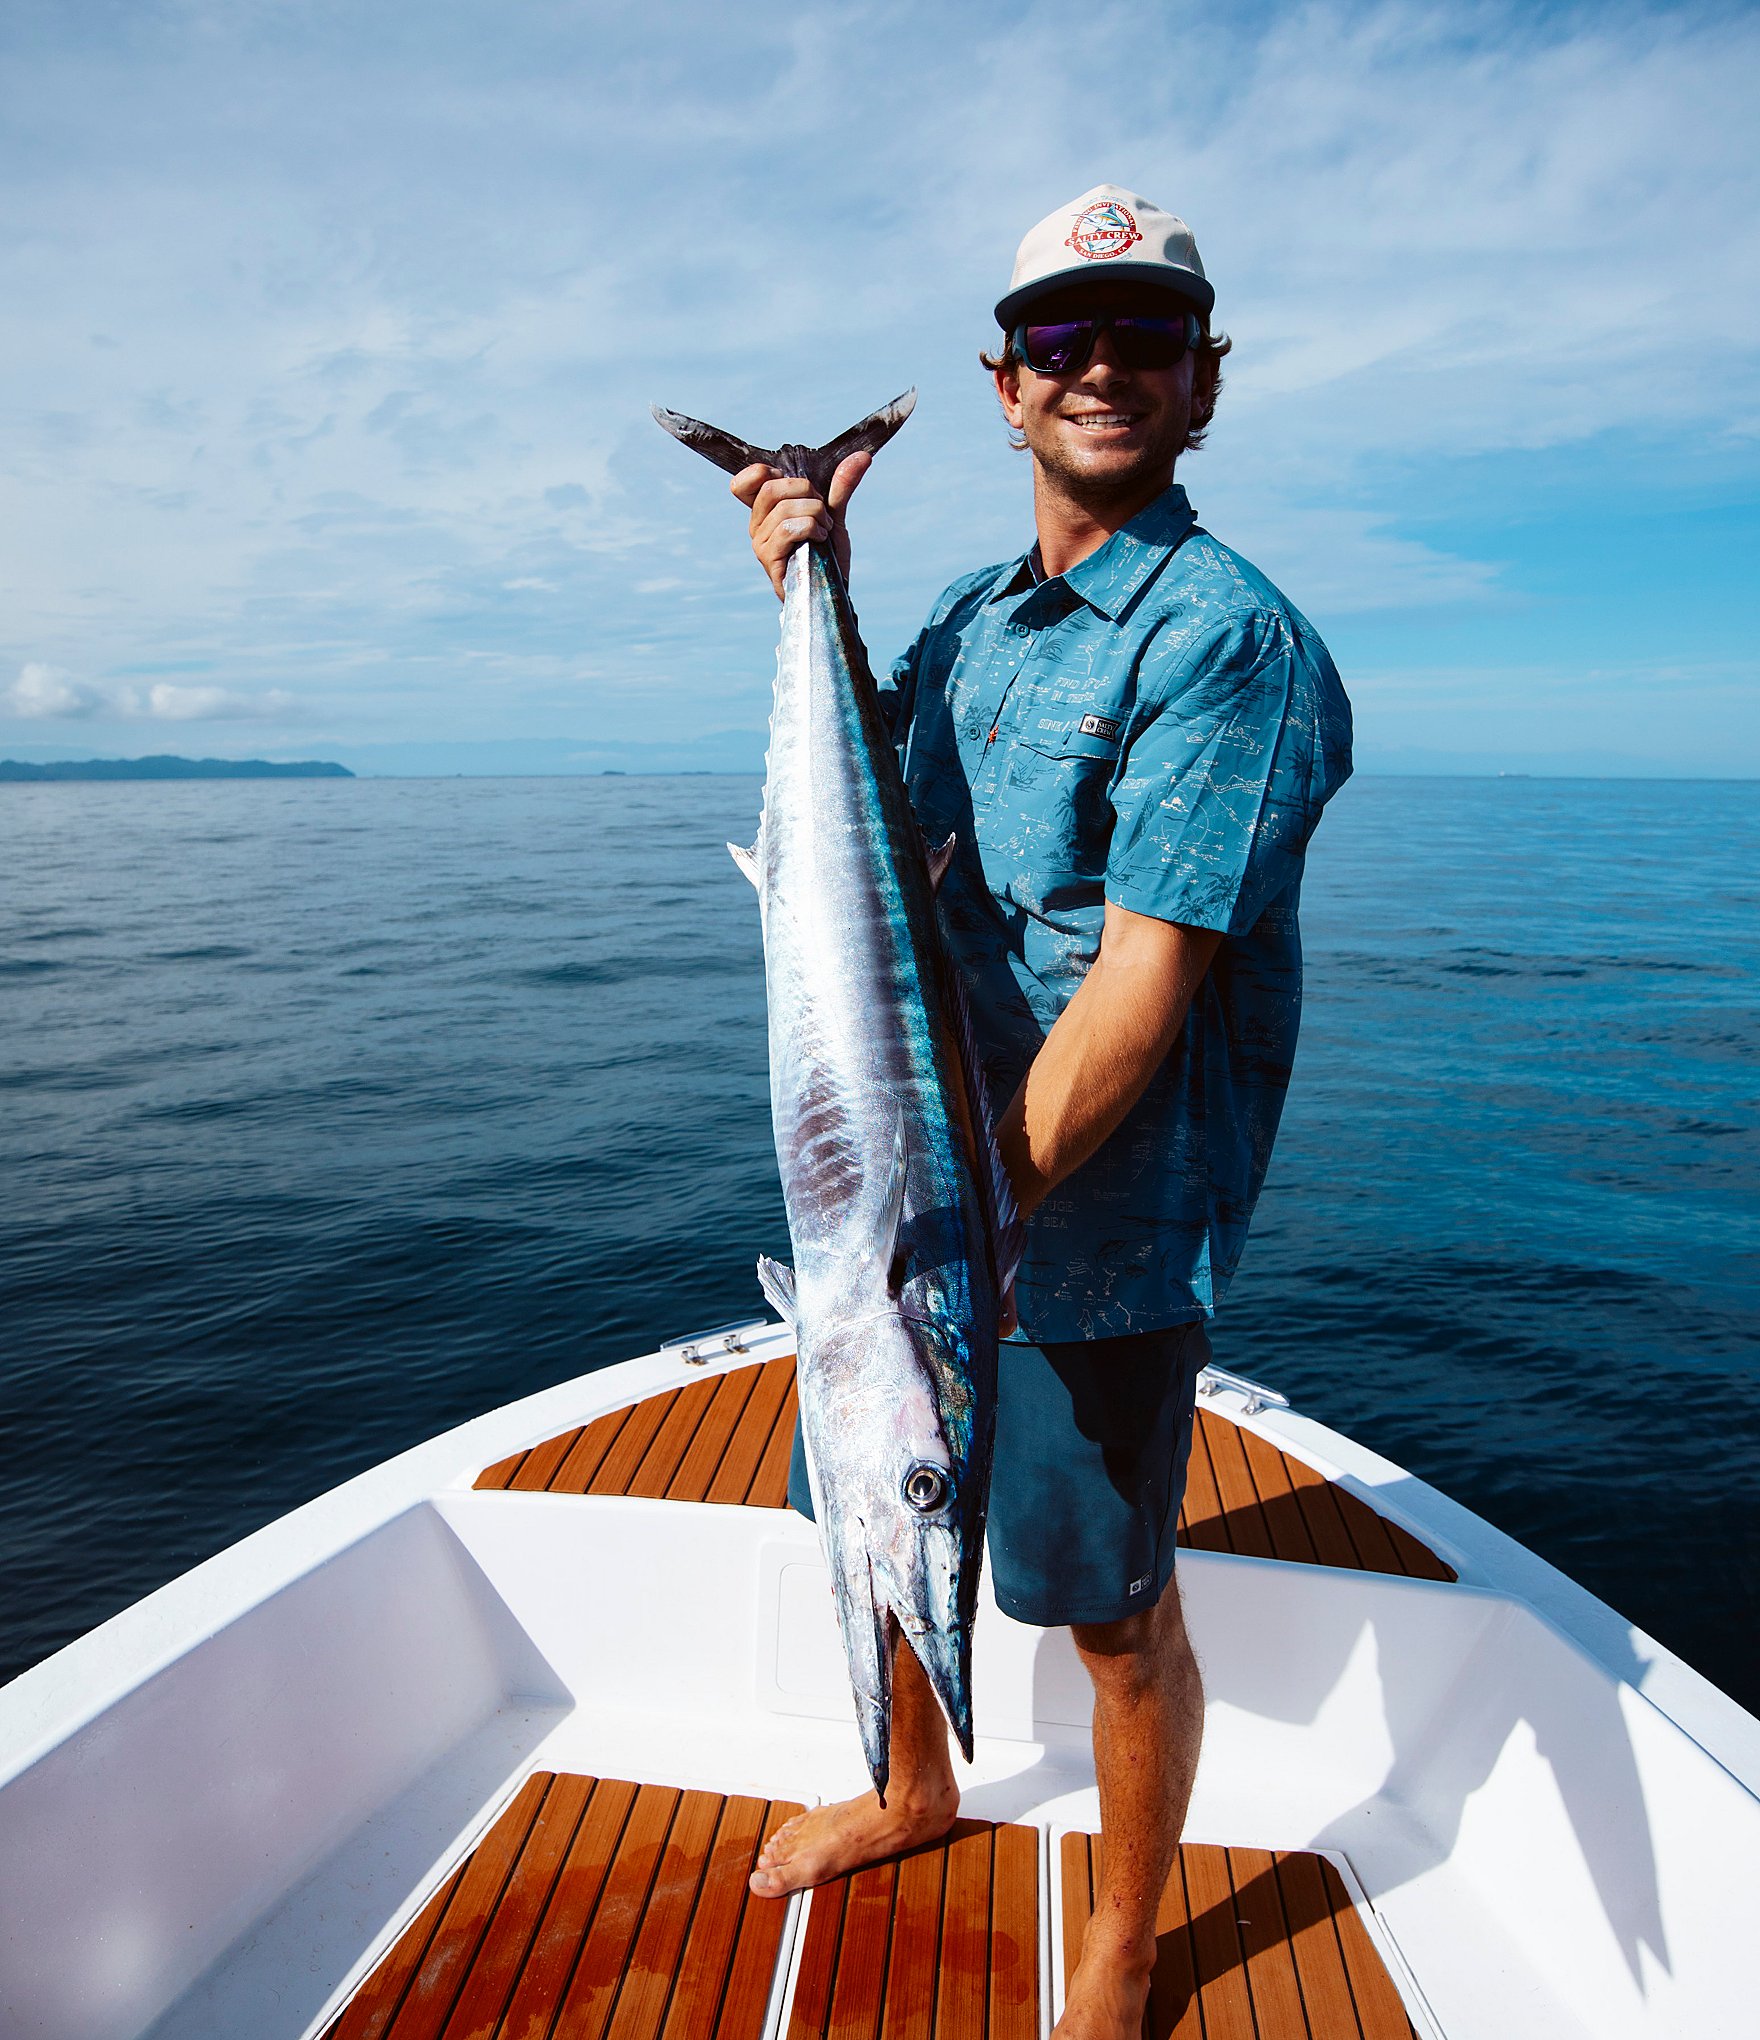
column 1047, row 833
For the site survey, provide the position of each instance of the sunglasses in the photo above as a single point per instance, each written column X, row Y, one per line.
column 1138, row 341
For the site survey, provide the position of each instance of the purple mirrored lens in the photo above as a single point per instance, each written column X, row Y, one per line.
column 1149, row 343
column 1053, row 350
column 1066, row 346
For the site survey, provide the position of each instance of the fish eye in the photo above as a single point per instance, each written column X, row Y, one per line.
column 926, row 1489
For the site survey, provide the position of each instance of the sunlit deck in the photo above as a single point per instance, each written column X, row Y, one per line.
column 726, row 1439
column 595, row 1909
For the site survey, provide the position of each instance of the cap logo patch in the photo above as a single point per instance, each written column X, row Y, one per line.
column 1103, row 231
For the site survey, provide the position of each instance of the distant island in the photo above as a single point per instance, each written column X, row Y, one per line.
column 15, row 769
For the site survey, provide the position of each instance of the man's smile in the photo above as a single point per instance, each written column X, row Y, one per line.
column 1103, row 421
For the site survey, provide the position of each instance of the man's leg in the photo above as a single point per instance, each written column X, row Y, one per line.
column 922, row 1800
column 1148, row 1723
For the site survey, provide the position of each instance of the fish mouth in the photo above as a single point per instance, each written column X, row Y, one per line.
column 875, row 1627
column 899, row 1499
column 946, row 1660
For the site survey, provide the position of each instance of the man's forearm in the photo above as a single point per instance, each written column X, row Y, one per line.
column 1106, row 1045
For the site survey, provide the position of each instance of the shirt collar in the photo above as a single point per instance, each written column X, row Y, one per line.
column 1112, row 576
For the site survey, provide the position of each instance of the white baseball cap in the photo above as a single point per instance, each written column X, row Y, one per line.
column 1107, row 232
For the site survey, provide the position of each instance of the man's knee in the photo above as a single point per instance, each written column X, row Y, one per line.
column 1135, row 1650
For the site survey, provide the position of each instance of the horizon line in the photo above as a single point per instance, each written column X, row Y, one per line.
column 358, row 775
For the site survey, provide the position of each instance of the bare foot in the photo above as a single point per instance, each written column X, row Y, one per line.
column 1108, row 1994
column 826, row 1841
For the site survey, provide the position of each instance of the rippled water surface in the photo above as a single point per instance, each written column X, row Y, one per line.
column 334, row 1113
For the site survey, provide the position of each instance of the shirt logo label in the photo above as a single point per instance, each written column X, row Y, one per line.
column 1103, row 231
column 1105, row 726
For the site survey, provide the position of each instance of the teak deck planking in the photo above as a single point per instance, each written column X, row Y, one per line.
column 592, row 1909
column 942, row 1944
column 726, row 1439
column 1252, row 1944
column 596, row 1909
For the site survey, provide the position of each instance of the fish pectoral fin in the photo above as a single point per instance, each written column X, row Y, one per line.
column 889, row 1211
column 777, row 1283
column 1008, row 1230
column 747, row 860
column 939, row 860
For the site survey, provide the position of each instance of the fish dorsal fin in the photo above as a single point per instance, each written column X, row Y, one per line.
column 1007, row 1230
column 747, row 860
column 777, row 1283
column 816, row 464
column 939, row 860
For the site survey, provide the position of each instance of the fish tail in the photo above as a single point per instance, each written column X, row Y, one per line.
column 816, row 463
column 711, row 442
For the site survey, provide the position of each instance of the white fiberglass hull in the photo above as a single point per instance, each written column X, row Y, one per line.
column 220, row 1808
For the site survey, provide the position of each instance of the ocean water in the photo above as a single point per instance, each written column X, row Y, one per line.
column 333, row 1113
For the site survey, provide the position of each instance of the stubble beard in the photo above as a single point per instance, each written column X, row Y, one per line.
column 1144, row 476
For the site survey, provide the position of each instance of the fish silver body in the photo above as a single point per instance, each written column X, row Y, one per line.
column 902, row 1228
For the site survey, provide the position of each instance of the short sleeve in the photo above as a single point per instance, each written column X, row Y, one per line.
column 898, row 691
column 1239, row 741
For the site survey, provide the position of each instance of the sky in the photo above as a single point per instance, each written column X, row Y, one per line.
column 332, row 329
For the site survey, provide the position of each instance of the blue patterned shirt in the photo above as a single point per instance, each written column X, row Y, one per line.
column 1160, row 728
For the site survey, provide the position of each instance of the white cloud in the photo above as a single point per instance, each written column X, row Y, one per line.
column 397, row 295
column 1344, row 561
column 165, row 701
column 40, row 693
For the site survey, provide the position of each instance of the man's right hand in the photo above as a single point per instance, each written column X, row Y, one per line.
column 787, row 512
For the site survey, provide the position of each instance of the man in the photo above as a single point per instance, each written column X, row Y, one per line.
column 1131, row 733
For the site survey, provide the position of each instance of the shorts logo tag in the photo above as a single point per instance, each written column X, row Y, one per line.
column 1106, row 726
column 1139, row 1586
column 1103, row 231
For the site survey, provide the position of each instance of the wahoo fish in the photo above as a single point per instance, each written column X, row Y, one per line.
column 904, row 1232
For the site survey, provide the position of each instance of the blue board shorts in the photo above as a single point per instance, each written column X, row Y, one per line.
column 1092, row 1439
